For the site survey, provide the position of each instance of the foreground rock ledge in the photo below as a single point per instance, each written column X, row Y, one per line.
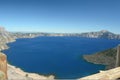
column 112, row 74
column 16, row 73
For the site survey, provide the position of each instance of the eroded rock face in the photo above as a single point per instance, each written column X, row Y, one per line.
column 5, row 37
column 3, row 67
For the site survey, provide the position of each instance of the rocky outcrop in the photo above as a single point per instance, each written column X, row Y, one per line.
column 117, row 64
column 3, row 67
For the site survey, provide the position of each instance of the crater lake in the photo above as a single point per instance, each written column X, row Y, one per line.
column 58, row 56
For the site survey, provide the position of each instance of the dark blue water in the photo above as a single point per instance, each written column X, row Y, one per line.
column 60, row 56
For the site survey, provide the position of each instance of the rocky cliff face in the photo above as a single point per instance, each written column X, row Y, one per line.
column 5, row 37
column 3, row 67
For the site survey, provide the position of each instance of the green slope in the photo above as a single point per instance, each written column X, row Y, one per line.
column 106, row 57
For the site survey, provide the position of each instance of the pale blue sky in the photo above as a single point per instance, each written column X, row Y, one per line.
column 66, row 16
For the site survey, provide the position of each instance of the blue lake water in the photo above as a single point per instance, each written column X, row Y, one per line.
column 59, row 56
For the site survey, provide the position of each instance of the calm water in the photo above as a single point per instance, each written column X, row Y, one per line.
column 60, row 56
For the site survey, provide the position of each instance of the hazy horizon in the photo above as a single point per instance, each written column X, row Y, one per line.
column 57, row 32
column 60, row 16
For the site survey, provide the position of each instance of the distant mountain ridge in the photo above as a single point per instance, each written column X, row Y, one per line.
column 9, row 36
column 101, row 34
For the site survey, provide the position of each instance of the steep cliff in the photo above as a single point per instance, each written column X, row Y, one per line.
column 5, row 37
